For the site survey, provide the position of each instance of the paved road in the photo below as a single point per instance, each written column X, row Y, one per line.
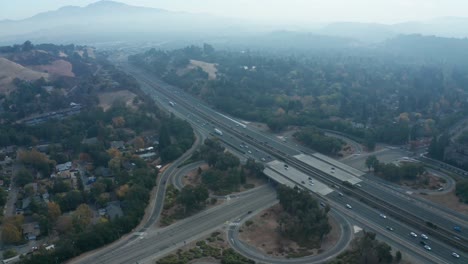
column 272, row 141
column 155, row 206
column 252, row 253
column 154, row 243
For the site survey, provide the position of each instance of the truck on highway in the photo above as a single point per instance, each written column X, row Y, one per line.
column 171, row 103
column 219, row 132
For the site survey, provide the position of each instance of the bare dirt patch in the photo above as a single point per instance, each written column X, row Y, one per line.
column 58, row 67
column 209, row 68
column 193, row 178
column 10, row 70
column 449, row 200
column 426, row 181
column 262, row 233
column 107, row 99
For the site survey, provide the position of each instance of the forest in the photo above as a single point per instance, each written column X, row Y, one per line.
column 376, row 96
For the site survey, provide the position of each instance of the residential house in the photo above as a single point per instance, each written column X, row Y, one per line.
column 114, row 210
column 31, row 230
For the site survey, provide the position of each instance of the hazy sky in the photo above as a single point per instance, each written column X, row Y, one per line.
column 385, row 11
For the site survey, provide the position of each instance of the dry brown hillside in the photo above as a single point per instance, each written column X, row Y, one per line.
column 10, row 70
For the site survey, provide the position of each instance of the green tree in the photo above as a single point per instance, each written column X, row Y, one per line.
column 372, row 162
column 23, row 177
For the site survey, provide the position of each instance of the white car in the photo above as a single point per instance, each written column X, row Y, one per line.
column 454, row 254
column 349, row 206
column 383, row 216
column 424, row 236
column 413, row 234
column 427, row 247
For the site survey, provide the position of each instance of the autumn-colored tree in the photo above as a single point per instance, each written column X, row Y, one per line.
column 11, row 231
column 122, row 191
column 85, row 157
column 114, row 165
column 118, row 121
column 53, row 211
column 114, row 153
column 10, row 234
column 64, row 224
column 82, row 217
column 139, row 143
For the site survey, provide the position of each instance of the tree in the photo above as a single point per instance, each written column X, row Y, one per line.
column 64, row 224
column 9, row 253
column 10, row 234
column 23, row 177
column 372, row 162
column 53, row 211
column 398, row 256
column 82, row 217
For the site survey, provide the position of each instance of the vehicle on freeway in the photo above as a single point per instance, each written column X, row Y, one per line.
column 340, row 194
column 349, row 206
column 413, row 234
column 358, row 185
column 455, row 255
column 427, row 247
column 423, row 243
column 383, row 216
column 424, row 236
column 219, row 132
column 322, row 204
column 389, row 228
column 457, row 228
column 250, row 152
column 263, row 159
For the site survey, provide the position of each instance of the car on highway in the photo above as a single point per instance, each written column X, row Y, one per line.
column 427, row 247
column 383, row 216
column 389, row 228
column 422, row 243
column 340, row 194
column 413, row 234
column 358, row 185
column 349, row 206
column 263, row 159
column 250, row 152
column 424, row 236
column 455, row 255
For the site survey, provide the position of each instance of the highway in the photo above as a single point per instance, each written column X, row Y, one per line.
column 157, row 242
column 273, row 142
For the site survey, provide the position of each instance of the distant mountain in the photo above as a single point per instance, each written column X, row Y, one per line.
column 451, row 27
column 370, row 32
column 111, row 21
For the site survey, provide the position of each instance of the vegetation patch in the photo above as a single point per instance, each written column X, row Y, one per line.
column 317, row 140
column 213, row 249
column 366, row 249
column 183, row 203
column 263, row 233
column 410, row 174
column 225, row 174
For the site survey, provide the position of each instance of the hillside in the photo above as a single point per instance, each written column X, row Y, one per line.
column 10, row 70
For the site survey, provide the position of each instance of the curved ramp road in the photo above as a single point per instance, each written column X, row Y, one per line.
column 248, row 251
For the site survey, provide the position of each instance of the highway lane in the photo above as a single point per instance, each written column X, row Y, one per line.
column 440, row 252
column 156, row 243
column 422, row 209
column 214, row 114
column 225, row 121
column 252, row 253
